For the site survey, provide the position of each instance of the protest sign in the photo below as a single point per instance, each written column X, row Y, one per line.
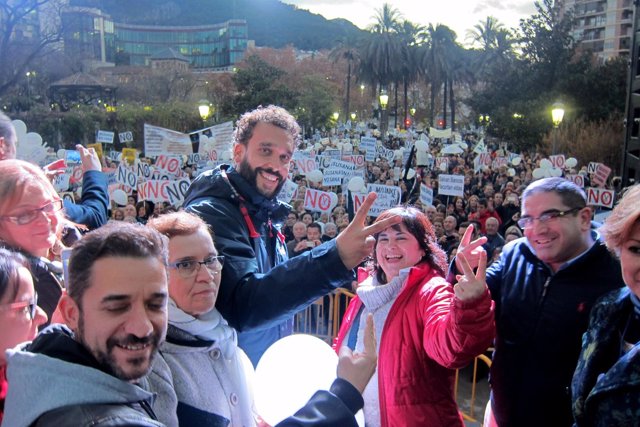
column 105, row 137
column 125, row 137
column 451, row 185
column 601, row 174
column 159, row 141
column 319, row 201
column 129, row 155
column 600, row 197
column 576, row 179
column 388, row 197
column 97, row 148
column 126, row 176
column 171, row 192
column 426, row 195
column 557, row 161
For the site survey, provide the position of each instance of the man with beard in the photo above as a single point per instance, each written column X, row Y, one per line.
column 261, row 289
column 116, row 312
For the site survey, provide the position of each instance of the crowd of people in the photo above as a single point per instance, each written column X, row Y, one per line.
column 156, row 311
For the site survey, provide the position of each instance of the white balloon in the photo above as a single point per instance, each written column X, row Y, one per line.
column 511, row 172
column 422, row 145
column 35, row 138
column 225, row 155
column 516, row 161
column 556, row 172
column 315, row 176
column 334, row 200
column 547, row 173
column 571, row 162
column 546, row 164
column 20, row 126
column 397, row 154
column 289, row 373
column 61, row 153
column 537, row 173
column 120, row 197
column 356, row 184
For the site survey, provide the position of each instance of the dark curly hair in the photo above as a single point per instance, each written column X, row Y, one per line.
column 271, row 114
column 420, row 227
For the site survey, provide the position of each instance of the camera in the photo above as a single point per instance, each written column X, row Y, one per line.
column 310, row 244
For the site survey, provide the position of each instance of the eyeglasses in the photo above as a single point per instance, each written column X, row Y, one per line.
column 30, row 216
column 191, row 267
column 549, row 216
column 28, row 308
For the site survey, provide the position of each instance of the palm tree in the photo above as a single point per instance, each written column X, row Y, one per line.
column 411, row 37
column 381, row 52
column 485, row 33
column 438, row 63
column 347, row 49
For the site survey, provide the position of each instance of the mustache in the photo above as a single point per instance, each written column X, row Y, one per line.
column 153, row 339
column 271, row 171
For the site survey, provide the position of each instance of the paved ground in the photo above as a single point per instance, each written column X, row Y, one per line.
column 481, row 397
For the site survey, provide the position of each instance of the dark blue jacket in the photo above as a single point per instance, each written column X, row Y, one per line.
column 94, row 202
column 606, row 385
column 540, row 319
column 261, row 289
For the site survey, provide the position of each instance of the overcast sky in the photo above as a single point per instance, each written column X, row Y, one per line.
column 459, row 15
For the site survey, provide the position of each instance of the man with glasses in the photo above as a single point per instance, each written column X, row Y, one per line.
column 544, row 286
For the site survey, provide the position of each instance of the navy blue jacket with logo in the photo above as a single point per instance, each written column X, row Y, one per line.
column 261, row 289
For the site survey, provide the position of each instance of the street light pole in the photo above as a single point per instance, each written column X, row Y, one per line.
column 557, row 114
column 384, row 100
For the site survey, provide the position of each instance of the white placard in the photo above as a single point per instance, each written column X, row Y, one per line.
column 451, row 185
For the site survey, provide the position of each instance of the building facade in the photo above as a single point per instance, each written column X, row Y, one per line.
column 604, row 27
column 91, row 35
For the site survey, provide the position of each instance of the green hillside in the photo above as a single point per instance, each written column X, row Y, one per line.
column 271, row 23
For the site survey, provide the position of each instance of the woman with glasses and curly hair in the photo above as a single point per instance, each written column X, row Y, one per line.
column 32, row 222
column 20, row 315
column 426, row 327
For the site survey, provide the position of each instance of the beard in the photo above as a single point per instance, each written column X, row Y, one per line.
column 139, row 366
column 251, row 175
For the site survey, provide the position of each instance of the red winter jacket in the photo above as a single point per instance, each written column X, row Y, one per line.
column 427, row 335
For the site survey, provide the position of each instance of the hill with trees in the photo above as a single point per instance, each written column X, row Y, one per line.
column 271, row 23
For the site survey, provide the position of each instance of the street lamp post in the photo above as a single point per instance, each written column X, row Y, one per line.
column 335, row 117
column 557, row 114
column 204, row 108
column 384, row 100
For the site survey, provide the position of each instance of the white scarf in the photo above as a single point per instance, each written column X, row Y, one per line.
column 209, row 326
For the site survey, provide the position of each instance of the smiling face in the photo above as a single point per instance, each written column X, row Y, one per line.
column 39, row 235
column 194, row 295
column 560, row 239
column 123, row 315
column 630, row 260
column 396, row 248
column 16, row 322
column 264, row 160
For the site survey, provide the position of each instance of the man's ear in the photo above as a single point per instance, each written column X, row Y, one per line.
column 238, row 152
column 3, row 147
column 70, row 311
column 585, row 218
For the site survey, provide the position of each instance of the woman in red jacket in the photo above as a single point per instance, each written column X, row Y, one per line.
column 426, row 327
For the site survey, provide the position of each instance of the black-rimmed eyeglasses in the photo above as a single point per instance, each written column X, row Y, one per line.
column 546, row 217
column 29, row 307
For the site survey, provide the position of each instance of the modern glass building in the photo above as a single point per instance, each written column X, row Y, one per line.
column 92, row 35
column 206, row 46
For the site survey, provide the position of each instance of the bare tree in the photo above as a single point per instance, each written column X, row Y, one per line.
column 29, row 29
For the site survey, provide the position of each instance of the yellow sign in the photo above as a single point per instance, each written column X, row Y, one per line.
column 98, row 148
column 129, row 155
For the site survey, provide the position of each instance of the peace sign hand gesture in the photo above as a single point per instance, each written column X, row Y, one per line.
column 471, row 250
column 471, row 286
column 356, row 242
